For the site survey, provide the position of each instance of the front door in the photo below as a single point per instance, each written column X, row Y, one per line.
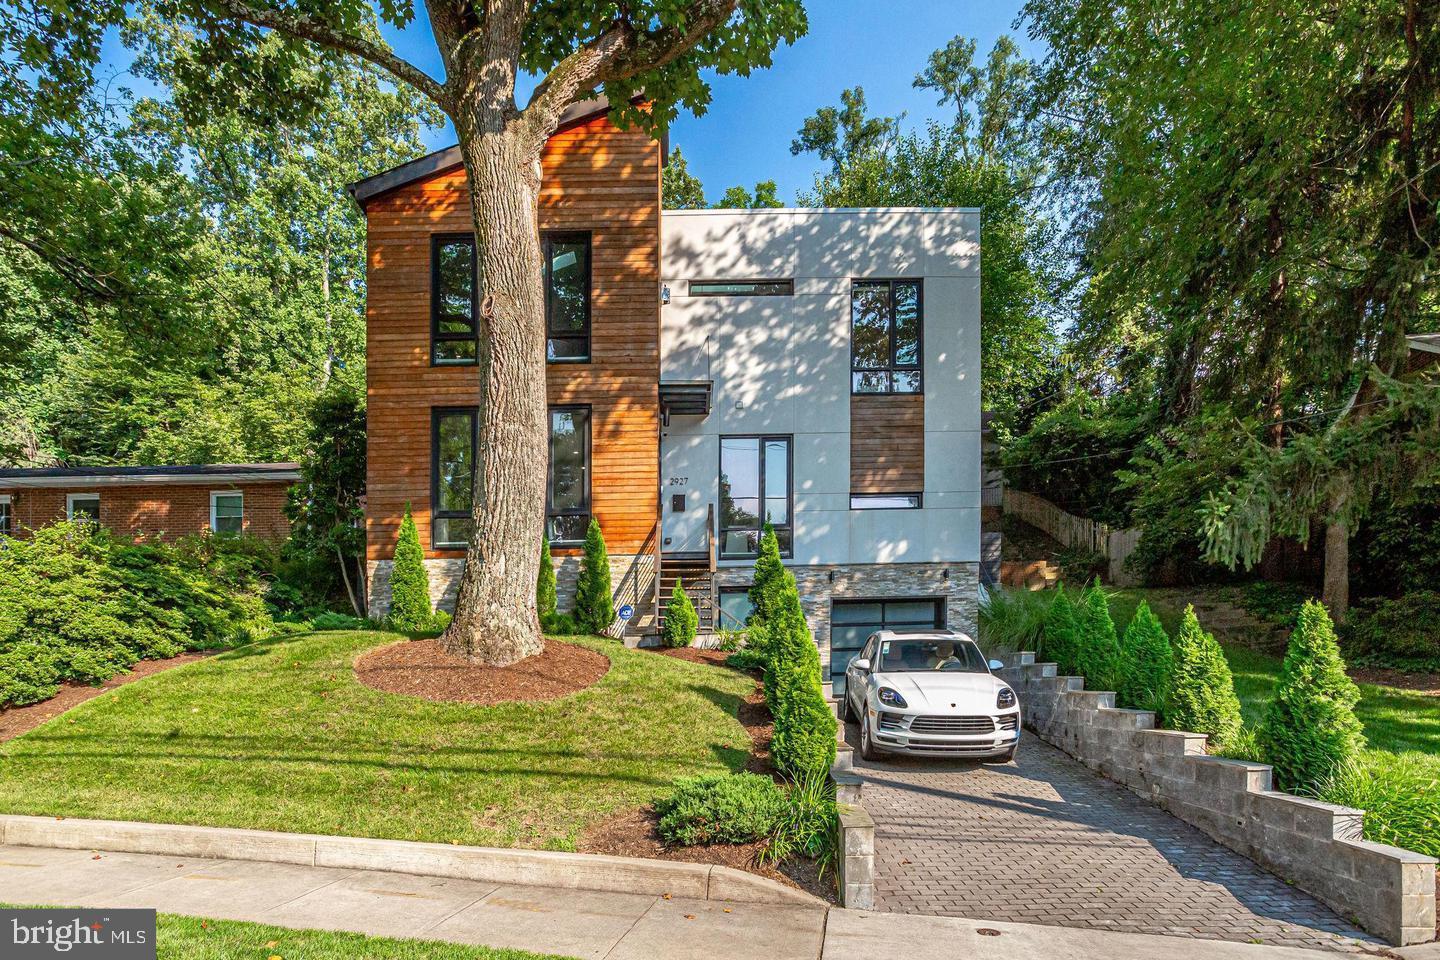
column 853, row 621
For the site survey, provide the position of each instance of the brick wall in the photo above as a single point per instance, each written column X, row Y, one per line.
column 156, row 509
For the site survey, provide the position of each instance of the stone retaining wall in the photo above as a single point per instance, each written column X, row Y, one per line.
column 1317, row 846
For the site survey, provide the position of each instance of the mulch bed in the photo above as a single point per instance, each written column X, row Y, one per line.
column 419, row 668
column 632, row 833
column 17, row 720
column 1426, row 683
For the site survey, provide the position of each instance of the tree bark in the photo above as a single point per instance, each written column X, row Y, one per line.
column 1335, row 593
column 495, row 618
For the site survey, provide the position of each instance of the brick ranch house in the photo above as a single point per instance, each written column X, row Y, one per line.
column 163, row 502
column 708, row 369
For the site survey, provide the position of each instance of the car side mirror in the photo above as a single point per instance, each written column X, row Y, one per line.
column 996, row 665
column 862, row 664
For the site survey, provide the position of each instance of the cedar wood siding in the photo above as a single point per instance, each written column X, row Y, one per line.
column 887, row 443
column 597, row 178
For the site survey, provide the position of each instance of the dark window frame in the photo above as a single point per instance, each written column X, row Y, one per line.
column 438, row 240
column 762, row 438
column 550, row 511
column 786, row 288
column 547, row 238
column 891, row 367
column 720, row 605
column 919, row 503
column 436, row 415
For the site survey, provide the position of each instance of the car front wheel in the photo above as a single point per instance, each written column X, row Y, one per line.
column 867, row 746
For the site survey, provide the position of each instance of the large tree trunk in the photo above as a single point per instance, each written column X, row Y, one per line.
column 1335, row 593
column 495, row 618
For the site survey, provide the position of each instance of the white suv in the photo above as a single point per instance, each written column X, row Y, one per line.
column 930, row 693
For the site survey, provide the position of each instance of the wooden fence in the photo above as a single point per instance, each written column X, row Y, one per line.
column 1073, row 531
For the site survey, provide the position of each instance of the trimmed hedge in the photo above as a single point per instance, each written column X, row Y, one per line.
column 1310, row 730
column 728, row 808
column 78, row 603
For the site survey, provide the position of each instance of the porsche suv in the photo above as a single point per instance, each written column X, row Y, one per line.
column 930, row 693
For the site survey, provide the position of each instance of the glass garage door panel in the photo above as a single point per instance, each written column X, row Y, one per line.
column 853, row 621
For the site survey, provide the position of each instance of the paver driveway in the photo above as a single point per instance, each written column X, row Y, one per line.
column 1045, row 840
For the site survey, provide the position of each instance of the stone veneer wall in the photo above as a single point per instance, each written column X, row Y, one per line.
column 631, row 577
column 875, row 581
column 1317, row 846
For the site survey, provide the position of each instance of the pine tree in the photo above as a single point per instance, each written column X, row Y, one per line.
column 1310, row 729
column 1062, row 625
column 770, row 574
column 410, row 609
column 1098, row 656
column 546, row 601
column 594, row 605
column 1202, row 690
column 681, row 620
column 1146, row 662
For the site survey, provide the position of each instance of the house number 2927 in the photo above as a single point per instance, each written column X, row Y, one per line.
column 679, row 481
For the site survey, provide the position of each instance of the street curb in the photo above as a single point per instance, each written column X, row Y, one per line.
column 541, row 868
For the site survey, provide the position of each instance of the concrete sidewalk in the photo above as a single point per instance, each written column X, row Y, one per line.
column 578, row 923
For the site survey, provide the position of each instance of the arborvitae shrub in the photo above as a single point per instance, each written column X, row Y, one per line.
column 546, row 601
column 1062, row 626
column 1146, row 662
column 410, row 608
column 594, row 605
column 1202, row 690
column 804, row 741
column 1310, row 729
column 681, row 620
column 1098, row 656
column 770, row 574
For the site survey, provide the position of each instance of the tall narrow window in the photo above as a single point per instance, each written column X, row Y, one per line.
column 754, row 487
column 567, row 502
column 227, row 511
column 454, row 299
column 885, row 327
column 452, row 478
column 7, row 524
column 567, row 297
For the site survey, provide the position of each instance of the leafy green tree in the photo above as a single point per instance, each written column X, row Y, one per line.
column 327, row 519
column 738, row 198
column 658, row 51
column 410, row 607
column 679, row 188
column 1310, row 730
column 1202, row 690
column 546, row 602
column 846, row 134
column 594, row 605
column 1099, row 652
column 681, row 620
column 1147, row 661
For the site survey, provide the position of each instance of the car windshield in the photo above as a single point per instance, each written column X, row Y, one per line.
column 931, row 653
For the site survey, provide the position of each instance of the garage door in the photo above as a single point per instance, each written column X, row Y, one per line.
column 852, row 622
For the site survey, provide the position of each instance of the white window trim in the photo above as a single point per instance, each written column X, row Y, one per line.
column 70, row 499
column 226, row 493
column 6, row 502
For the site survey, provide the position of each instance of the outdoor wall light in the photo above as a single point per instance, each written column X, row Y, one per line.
column 664, row 293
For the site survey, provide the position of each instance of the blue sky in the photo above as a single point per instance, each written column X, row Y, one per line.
column 877, row 44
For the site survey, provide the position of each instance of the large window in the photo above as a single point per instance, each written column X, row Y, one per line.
column 82, row 506
column 754, row 487
column 853, row 621
column 567, row 297
column 227, row 511
column 885, row 327
column 567, row 501
column 454, row 299
column 452, row 477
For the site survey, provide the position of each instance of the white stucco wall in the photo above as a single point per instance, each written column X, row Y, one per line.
column 782, row 365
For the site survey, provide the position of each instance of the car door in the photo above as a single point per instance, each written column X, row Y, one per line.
column 855, row 678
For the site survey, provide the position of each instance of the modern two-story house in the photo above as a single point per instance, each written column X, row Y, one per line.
column 709, row 370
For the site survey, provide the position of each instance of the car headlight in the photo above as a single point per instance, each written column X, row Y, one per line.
column 1005, row 699
column 891, row 698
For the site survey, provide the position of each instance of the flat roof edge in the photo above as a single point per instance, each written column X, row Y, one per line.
column 792, row 210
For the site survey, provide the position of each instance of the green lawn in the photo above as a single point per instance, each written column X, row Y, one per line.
column 280, row 736
column 188, row 938
column 1397, row 722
